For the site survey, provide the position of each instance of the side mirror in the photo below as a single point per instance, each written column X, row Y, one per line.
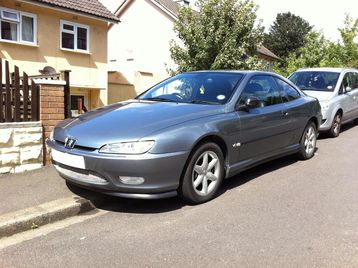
column 250, row 103
column 348, row 89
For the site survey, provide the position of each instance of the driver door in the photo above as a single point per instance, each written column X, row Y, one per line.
column 265, row 129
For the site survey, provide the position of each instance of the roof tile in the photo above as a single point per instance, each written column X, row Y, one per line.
column 90, row 7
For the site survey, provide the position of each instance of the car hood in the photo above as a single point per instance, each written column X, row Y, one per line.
column 320, row 95
column 129, row 121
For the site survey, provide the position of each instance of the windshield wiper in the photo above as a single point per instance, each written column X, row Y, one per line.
column 308, row 88
column 159, row 99
column 203, row 102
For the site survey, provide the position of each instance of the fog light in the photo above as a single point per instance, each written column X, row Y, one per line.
column 131, row 180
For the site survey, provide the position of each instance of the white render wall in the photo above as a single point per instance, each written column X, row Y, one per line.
column 21, row 146
column 140, row 42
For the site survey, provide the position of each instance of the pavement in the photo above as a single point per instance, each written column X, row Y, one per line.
column 32, row 199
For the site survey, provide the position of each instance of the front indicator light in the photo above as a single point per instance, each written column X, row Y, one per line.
column 131, row 180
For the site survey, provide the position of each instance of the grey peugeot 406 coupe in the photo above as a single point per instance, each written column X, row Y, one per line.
column 186, row 134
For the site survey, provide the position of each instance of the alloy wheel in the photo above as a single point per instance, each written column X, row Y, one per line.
column 310, row 140
column 206, row 173
column 337, row 124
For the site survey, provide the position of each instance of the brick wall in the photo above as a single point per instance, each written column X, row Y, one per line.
column 52, row 110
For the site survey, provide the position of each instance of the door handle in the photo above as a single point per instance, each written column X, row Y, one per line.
column 284, row 113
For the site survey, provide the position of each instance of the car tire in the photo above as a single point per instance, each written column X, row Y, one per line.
column 336, row 126
column 308, row 141
column 203, row 174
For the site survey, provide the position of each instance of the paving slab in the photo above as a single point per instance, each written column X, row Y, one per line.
column 32, row 188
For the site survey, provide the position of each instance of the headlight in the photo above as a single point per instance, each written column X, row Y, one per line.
column 136, row 147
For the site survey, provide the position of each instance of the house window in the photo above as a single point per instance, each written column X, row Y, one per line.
column 19, row 27
column 74, row 36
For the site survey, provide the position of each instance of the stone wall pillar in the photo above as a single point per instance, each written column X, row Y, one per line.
column 52, row 108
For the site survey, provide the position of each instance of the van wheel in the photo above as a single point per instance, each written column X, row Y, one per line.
column 308, row 141
column 336, row 126
column 203, row 175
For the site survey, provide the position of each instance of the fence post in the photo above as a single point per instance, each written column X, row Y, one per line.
column 8, row 112
column 35, row 101
column 25, row 99
column 1, row 95
column 16, row 92
column 65, row 75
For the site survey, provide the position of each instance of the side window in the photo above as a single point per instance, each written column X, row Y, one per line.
column 354, row 80
column 288, row 92
column 345, row 83
column 264, row 88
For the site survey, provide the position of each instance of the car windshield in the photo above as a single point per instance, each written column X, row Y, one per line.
column 315, row 80
column 200, row 88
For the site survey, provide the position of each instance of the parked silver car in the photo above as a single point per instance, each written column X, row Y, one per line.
column 186, row 134
column 337, row 91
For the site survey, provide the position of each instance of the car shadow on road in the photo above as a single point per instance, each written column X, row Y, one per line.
column 253, row 173
column 127, row 205
column 140, row 206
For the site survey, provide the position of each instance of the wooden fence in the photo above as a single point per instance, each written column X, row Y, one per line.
column 19, row 96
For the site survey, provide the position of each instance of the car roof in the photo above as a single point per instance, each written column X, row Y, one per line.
column 326, row 69
column 234, row 71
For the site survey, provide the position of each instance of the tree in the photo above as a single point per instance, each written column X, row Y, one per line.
column 287, row 34
column 220, row 35
column 347, row 51
column 312, row 54
column 320, row 52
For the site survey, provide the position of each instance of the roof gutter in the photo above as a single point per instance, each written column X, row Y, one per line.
column 67, row 10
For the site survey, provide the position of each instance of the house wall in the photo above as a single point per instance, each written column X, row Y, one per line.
column 120, row 92
column 139, row 45
column 88, row 70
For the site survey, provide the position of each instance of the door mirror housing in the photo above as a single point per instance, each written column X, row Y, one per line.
column 348, row 89
column 250, row 103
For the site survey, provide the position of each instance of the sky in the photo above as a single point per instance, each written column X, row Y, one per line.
column 325, row 15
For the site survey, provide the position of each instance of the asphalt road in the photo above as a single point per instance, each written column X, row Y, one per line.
column 285, row 213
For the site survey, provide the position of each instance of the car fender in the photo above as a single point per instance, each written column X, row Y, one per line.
column 185, row 136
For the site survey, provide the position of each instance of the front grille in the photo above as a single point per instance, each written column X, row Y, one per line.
column 78, row 147
column 81, row 177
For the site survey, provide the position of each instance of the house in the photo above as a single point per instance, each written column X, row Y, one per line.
column 47, row 36
column 267, row 56
column 138, row 47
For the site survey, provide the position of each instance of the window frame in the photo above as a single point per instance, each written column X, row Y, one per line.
column 284, row 91
column 74, row 32
column 353, row 77
column 19, row 26
column 342, row 88
column 275, row 83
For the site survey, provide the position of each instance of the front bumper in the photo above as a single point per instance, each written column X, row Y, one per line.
column 102, row 172
column 327, row 120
